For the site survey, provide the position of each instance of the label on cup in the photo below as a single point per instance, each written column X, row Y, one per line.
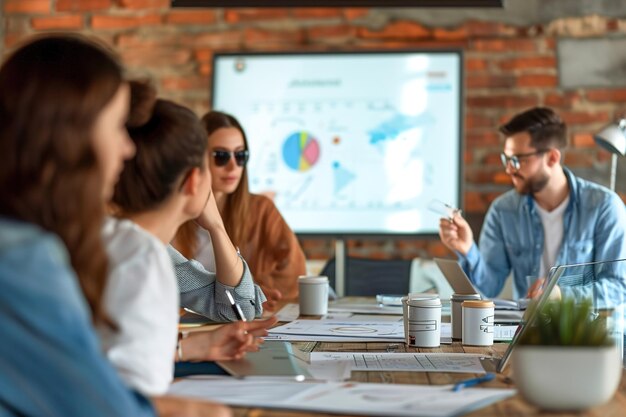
column 313, row 295
column 478, row 322
column 423, row 322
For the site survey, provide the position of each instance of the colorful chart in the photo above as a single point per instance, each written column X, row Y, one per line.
column 301, row 151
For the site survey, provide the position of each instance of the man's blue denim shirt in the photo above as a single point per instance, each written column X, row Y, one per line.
column 512, row 238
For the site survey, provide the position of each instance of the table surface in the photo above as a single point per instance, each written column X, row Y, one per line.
column 514, row 406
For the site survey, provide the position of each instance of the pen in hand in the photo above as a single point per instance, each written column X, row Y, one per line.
column 236, row 308
column 473, row 381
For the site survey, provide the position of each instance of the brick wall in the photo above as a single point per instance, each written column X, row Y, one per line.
column 509, row 67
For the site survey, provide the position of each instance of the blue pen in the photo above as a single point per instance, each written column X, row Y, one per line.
column 473, row 381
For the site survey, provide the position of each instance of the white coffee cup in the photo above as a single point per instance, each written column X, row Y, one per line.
column 313, row 295
column 405, row 311
column 423, row 322
column 456, row 317
column 478, row 322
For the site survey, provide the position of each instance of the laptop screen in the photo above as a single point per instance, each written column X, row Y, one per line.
column 604, row 283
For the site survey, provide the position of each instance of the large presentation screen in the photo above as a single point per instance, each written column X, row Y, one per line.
column 349, row 143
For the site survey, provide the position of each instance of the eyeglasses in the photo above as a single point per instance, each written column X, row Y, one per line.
column 514, row 160
column 222, row 158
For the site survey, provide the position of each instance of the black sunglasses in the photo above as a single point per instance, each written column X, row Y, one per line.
column 222, row 158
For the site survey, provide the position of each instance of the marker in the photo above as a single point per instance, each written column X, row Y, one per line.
column 235, row 307
column 473, row 381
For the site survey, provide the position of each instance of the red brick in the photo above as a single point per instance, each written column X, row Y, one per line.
column 26, row 6
column 124, row 22
column 474, row 202
column 581, row 118
column 503, row 45
column 330, row 32
column 492, row 159
column 475, row 64
column 353, row 13
column 489, row 138
column 191, row 17
column 481, row 29
column 474, row 121
column 180, row 83
column 537, row 80
column 579, row 159
column 203, row 55
column 82, row 5
column 532, row 62
column 251, row 15
column 583, row 140
column 503, row 101
column 144, row 4
column 450, row 34
column 220, row 40
column 501, row 178
column 468, row 158
column 550, row 44
column 129, row 40
column 155, row 57
column 437, row 249
column 205, row 69
column 489, row 81
column 66, row 22
column 260, row 36
column 408, row 43
column 397, row 30
column 606, row 95
column 316, row 13
column 612, row 25
column 566, row 100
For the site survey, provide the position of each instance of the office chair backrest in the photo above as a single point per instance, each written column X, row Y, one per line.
column 368, row 277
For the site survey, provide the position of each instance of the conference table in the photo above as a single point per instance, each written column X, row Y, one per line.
column 514, row 406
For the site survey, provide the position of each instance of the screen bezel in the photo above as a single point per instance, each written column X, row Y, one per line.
column 324, row 234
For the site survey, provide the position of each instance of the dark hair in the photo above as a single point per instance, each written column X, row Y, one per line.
column 545, row 127
column 235, row 211
column 170, row 141
column 52, row 91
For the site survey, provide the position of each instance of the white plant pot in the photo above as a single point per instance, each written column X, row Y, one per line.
column 566, row 377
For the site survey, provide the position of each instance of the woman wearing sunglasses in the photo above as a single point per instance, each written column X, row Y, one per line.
column 252, row 221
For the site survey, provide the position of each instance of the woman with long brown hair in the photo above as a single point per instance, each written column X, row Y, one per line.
column 63, row 108
column 252, row 221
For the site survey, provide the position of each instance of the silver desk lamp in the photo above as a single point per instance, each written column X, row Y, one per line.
column 613, row 139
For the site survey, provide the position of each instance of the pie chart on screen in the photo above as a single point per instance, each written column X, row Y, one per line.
column 301, row 151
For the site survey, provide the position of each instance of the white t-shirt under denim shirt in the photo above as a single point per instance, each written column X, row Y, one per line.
column 142, row 299
column 552, row 222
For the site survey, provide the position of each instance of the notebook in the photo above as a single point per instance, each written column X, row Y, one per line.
column 275, row 359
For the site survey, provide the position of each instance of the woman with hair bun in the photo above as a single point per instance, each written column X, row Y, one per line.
column 166, row 184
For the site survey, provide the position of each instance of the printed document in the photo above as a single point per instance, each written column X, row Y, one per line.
column 342, row 398
column 396, row 361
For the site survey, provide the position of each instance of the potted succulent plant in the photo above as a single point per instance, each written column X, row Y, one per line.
column 567, row 359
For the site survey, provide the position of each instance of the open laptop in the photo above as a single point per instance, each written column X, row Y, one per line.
column 583, row 278
column 461, row 284
column 274, row 359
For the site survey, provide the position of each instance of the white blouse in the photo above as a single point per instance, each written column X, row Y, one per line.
column 142, row 299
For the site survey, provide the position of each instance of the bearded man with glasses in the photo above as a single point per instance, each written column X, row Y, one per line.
column 552, row 217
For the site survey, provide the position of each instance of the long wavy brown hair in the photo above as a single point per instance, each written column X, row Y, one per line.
column 52, row 91
column 235, row 211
